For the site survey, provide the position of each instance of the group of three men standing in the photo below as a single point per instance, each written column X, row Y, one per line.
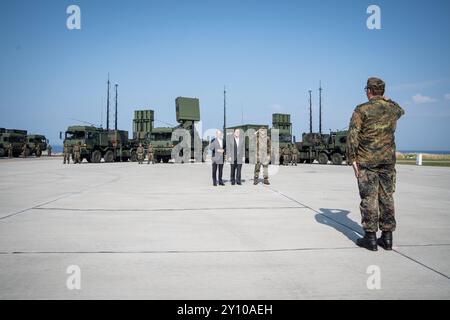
column 237, row 156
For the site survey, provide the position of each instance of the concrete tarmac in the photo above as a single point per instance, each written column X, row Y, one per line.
column 164, row 232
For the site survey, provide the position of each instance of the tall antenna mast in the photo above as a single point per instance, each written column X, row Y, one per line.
column 310, row 112
column 320, row 107
column 107, row 105
column 224, row 110
column 115, row 117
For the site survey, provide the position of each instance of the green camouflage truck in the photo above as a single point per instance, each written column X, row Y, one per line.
column 323, row 148
column 14, row 137
column 33, row 140
column 161, row 140
column 98, row 143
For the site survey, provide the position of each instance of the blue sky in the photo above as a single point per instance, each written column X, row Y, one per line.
column 267, row 53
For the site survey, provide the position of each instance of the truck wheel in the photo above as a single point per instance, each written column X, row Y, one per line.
column 133, row 156
column 323, row 158
column 2, row 152
column 166, row 159
column 109, row 156
column 88, row 158
column 337, row 159
column 96, row 156
column 39, row 154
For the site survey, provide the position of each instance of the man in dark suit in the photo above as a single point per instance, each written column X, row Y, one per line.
column 236, row 157
column 218, row 150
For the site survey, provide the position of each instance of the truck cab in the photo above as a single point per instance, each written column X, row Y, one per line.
column 15, row 138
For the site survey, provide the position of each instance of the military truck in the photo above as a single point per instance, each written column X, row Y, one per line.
column 323, row 147
column 161, row 140
column 98, row 143
column 15, row 137
column 33, row 140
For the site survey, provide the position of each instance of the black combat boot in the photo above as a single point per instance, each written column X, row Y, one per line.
column 385, row 241
column 369, row 241
column 255, row 181
column 266, row 182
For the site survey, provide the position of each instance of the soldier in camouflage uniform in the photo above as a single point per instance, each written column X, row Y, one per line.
column 150, row 155
column 38, row 150
column 263, row 149
column 371, row 151
column 10, row 150
column 24, row 150
column 77, row 153
column 66, row 152
column 140, row 154
column 286, row 155
column 294, row 155
column 49, row 150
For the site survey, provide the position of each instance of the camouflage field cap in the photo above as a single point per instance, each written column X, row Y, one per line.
column 375, row 83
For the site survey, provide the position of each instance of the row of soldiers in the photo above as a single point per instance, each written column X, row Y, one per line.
column 290, row 155
column 75, row 152
column 25, row 152
column 141, row 154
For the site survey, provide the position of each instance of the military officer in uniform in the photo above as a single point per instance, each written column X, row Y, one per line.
column 150, row 155
column 263, row 151
column 49, row 150
column 371, row 152
column 294, row 155
column 286, row 155
column 77, row 153
column 140, row 154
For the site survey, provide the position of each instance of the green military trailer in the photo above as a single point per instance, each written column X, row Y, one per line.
column 35, row 140
column 15, row 138
column 98, row 143
column 323, row 148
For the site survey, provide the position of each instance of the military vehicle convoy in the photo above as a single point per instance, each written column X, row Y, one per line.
column 17, row 138
column 98, row 144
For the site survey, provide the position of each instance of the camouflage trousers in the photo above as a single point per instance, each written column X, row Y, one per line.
column 66, row 157
column 376, row 187
column 294, row 159
column 286, row 159
column 77, row 158
column 140, row 158
column 258, row 170
column 150, row 158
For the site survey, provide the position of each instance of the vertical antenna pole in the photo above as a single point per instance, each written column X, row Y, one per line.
column 310, row 112
column 320, row 107
column 107, row 105
column 224, row 111
column 115, row 118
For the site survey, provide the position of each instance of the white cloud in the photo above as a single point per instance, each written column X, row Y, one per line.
column 447, row 96
column 421, row 99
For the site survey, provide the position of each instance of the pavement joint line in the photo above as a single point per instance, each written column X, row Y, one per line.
column 396, row 251
column 176, row 251
column 115, row 179
column 162, row 209
column 422, row 264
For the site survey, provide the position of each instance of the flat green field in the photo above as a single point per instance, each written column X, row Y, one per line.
column 434, row 160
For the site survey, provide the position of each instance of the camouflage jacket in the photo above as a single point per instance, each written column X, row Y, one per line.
column 371, row 136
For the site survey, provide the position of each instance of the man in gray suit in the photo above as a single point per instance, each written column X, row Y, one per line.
column 236, row 154
column 218, row 150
